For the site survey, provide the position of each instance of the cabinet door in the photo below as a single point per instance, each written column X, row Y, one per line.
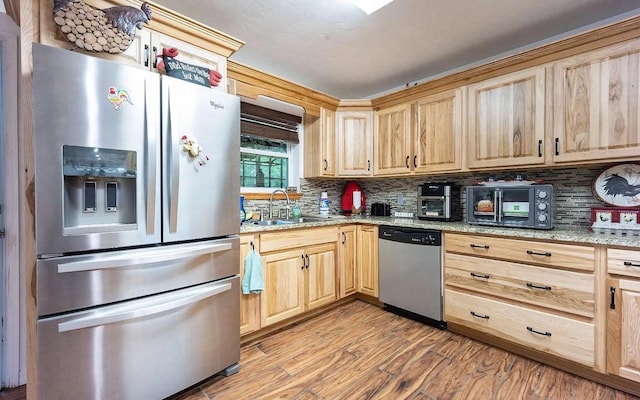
column 321, row 275
column 319, row 144
column 392, row 141
column 623, row 325
column 283, row 296
column 438, row 133
column 192, row 55
column 506, row 120
column 347, row 261
column 354, row 143
column 328, row 137
column 595, row 102
column 249, row 303
column 368, row 260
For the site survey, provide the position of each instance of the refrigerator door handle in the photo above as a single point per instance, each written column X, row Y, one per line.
column 159, row 305
column 174, row 173
column 151, row 168
column 151, row 256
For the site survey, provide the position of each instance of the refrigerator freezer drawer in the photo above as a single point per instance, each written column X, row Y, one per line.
column 148, row 348
column 71, row 283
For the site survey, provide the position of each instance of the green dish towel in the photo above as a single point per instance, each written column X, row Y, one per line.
column 252, row 282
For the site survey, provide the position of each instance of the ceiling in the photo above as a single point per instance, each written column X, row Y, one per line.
column 335, row 48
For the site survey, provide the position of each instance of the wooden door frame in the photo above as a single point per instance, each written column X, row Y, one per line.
column 13, row 297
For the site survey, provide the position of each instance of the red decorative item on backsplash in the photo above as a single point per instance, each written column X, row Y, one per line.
column 347, row 197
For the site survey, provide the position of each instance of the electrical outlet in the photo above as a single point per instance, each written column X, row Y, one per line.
column 400, row 199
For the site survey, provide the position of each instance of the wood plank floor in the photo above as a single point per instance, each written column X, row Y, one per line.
column 19, row 393
column 358, row 351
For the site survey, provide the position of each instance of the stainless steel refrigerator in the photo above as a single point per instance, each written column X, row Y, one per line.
column 136, row 200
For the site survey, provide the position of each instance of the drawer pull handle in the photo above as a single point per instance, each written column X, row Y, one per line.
column 535, row 253
column 406, row 162
column 630, row 264
column 612, row 305
column 473, row 274
column 533, row 286
column 479, row 246
column 475, row 314
column 530, row 329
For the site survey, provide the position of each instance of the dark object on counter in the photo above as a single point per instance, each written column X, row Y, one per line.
column 381, row 209
column 439, row 201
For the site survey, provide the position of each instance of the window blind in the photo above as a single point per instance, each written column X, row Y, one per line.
column 269, row 124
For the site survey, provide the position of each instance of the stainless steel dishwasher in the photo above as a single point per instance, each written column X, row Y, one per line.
column 410, row 262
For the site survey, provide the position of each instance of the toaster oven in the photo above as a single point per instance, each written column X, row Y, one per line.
column 439, row 201
column 511, row 205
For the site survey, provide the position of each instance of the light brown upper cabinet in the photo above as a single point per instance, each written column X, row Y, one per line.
column 596, row 106
column 437, row 137
column 506, row 120
column 197, row 44
column 319, row 144
column 392, row 141
column 354, row 145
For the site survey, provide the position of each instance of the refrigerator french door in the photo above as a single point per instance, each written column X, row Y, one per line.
column 136, row 189
column 97, row 129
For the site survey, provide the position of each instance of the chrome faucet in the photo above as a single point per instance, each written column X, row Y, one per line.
column 271, row 202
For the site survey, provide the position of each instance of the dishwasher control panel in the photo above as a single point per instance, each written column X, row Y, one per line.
column 425, row 237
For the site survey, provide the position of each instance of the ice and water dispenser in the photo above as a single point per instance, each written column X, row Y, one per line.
column 99, row 189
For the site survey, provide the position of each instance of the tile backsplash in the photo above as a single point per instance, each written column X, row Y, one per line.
column 572, row 191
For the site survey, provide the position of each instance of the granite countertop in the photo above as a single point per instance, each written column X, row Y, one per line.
column 578, row 235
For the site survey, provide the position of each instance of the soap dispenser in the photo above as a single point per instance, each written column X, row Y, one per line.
column 243, row 213
column 295, row 212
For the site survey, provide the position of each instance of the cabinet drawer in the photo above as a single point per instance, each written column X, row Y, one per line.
column 289, row 239
column 571, row 292
column 560, row 336
column 551, row 254
column 624, row 262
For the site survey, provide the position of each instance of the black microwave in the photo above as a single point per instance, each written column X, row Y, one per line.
column 516, row 205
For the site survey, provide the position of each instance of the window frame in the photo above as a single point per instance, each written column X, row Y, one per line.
column 293, row 154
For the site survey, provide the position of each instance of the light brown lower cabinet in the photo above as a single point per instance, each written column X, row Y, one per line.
column 347, row 261
column 249, row 303
column 367, row 260
column 554, row 334
column 305, row 269
column 297, row 279
column 533, row 293
column 623, row 328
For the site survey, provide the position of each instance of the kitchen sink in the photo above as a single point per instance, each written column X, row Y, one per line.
column 314, row 218
column 280, row 221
